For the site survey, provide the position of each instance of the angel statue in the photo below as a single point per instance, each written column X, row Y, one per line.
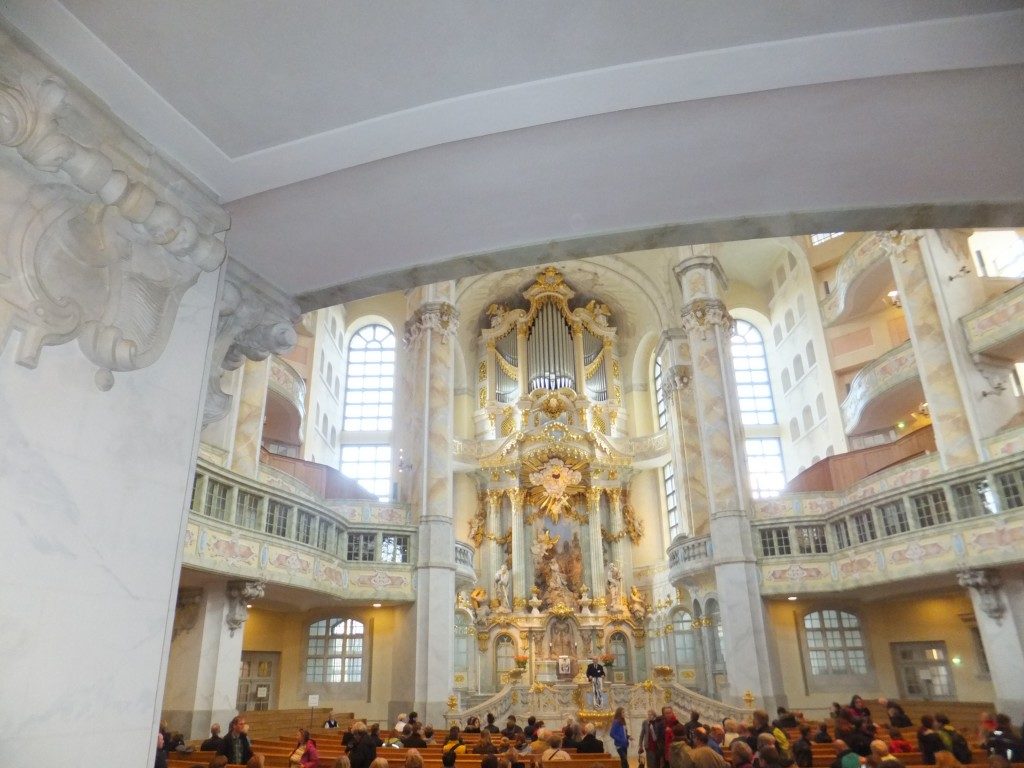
column 614, row 584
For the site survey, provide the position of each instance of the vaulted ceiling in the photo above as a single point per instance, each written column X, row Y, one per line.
column 364, row 146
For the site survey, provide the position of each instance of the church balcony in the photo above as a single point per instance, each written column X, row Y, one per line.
column 883, row 392
column 862, row 280
column 465, row 572
column 996, row 330
column 281, row 532
column 687, row 556
column 285, row 407
column 912, row 521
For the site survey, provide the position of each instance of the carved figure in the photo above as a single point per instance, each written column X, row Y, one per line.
column 637, row 604
column 613, row 583
column 501, row 586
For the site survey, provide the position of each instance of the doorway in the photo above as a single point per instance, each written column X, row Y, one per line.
column 257, row 681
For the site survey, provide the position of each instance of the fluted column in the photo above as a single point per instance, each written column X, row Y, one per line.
column 429, row 337
column 596, row 548
column 516, row 497
column 709, row 328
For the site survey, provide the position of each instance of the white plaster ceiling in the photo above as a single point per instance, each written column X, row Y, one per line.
column 355, row 140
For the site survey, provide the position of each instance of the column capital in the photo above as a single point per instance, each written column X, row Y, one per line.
column 701, row 276
column 987, row 586
column 437, row 316
column 701, row 314
column 517, row 496
column 102, row 251
column 239, row 594
column 256, row 321
column 677, row 377
column 895, row 243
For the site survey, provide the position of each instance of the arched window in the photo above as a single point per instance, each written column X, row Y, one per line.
column 671, row 500
column 809, row 353
column 752, row 383
column 717, row 636
column 798, row 368
column 794, row 429
column 786, row 381
column 790, row 320
column 321, row 361
column 835, row 644
column 323, row 425
column 334, row 651
column 808, row 418
column 659, row 394
column 504, row 657
column 777, row 334
column 334, row 437
column 801, row 306
column 368, row 407
column 370, row 380
column 819, row 403
column 683, row 639
column 334, row 326
column 330, row 373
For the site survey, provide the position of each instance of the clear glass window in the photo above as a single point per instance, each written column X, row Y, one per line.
column 764, row 466
column 835, row 643
column 671, row 501
column 370, row 466
column 362, row 547
column 659, row 394
column 775, row 541
column 370, row 380
column 334, row 651
column 394, row 549
column 811, row 539
column 277, row 518
column 751, row 369
column 894, row 518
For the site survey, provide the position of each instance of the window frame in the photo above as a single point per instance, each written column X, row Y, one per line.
column 354, row 642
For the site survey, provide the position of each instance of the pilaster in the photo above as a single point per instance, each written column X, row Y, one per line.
column 107, row 246
column 517, row 497
column 998, row 600
column 597, row 564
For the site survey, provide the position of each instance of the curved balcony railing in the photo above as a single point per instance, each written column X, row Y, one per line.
column 689, row 555
column 897, row 366
column 464, row 569
column 649, row 450
column 997, row 328
column 922, row 521
column 250, row 529
column 285, row 381
column 860, row 280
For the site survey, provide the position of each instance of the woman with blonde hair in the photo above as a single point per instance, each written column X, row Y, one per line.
column 413, row 759
column 342, row 762
column 379, row 762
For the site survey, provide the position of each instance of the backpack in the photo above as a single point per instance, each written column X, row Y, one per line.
column 448, row 756
column 960, row 749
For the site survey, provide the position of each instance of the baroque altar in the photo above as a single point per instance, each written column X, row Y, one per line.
column 553, row 528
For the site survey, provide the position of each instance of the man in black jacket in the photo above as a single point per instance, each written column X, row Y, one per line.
column 236, row 744
column 213, row 743
column 590, row 743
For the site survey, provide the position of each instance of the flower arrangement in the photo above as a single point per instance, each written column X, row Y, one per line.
column 608, row 659
column 521, row 659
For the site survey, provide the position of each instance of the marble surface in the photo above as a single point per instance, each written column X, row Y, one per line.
column 95, row 490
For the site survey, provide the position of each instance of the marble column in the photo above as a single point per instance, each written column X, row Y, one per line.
column 685, row 438
column 202, row 681
column 252, row 403
column 597, row 565
column 709, row 328
column 998, row 601
column 920, row 292
column 517, row 498
column 107, row 246
column 430, row 339
column 492, row 555
column 622, row 552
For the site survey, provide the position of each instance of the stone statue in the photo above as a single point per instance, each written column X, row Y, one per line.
column 637, row 604
column 614, row 584
column 501, row 586
column 556, row 579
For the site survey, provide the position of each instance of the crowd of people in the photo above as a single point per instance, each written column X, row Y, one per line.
column 664, row 741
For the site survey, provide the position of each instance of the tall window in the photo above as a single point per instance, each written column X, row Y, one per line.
column 659, row 394
column 835, row 643
column 369, row 408
column 764, row 464
column 671, row 501
column 334, row 653
column 370, row 380
column 752, row 384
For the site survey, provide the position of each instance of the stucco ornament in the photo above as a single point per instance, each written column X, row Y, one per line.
column 553, row 486
column 437, row 316
column 98, row 255
column 239, row 595
column 986, row 585
column 256, row 321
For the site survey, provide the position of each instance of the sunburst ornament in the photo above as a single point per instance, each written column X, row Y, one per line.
column 554, row 484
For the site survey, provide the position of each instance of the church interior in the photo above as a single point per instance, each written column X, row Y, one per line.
column 339, row 411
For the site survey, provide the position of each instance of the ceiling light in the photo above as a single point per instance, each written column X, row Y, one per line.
column 248, row 605
column 893, row 297
column 376, row 605
column 791, row 597
column 901, row 425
